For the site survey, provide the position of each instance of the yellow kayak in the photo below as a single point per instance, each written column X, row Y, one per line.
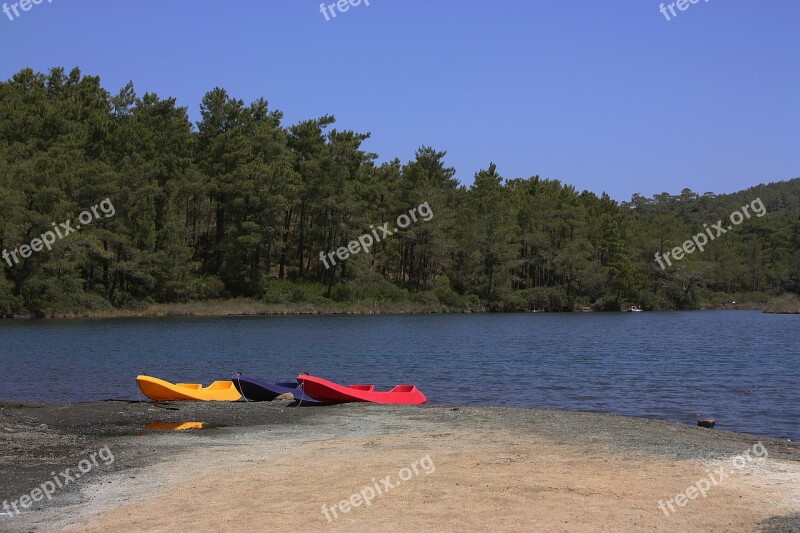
column 163, row 391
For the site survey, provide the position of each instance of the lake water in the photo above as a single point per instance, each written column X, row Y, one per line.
column 741, row 368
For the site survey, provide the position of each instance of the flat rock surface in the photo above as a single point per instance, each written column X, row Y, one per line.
column 275, row 466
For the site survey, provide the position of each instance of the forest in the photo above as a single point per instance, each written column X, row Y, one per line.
column 241, row 205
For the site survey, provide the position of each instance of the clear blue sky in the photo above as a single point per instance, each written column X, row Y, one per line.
column 604, row 95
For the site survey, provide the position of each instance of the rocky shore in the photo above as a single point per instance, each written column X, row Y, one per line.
column 274, row 466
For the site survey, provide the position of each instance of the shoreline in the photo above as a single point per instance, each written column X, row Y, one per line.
column 292, row 404
column 509, row 468
column 244, row 308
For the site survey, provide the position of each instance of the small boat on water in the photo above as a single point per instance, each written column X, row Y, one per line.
column 164, row 391
column 330, row 392
column 256, row 390
column 634, row 309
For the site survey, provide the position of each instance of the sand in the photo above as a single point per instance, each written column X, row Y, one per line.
column 493, row 469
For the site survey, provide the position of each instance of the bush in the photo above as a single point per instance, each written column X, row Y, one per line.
column 473, row 303
column 547, row 298
column 47, row 296
column 653, row 302
column 368, row 286
column 607, row 303
column 342, row 292
column 200, row 288
column 515, row 302
column 446, row 295
column 281, row 291
column 680, row 299
column 536, row 298
column 9, row 304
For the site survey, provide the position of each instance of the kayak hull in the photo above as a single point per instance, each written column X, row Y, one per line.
column 164, row 391
column 328, row 391
column 256, row 390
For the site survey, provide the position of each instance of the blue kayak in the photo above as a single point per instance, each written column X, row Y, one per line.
column 256, row 390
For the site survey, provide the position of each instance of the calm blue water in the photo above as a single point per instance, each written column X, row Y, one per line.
column 741, row 368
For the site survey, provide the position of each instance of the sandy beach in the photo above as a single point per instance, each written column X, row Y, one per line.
column 273, row 467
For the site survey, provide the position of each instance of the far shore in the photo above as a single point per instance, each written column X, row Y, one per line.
column 248, row 307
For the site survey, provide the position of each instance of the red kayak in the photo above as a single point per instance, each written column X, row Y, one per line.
column 330, row 392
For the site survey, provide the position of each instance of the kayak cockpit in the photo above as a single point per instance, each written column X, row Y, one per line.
column 367, row 388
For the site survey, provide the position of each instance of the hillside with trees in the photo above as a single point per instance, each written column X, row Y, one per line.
column 240, row 205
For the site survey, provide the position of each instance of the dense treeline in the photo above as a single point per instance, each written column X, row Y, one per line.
column 242, row 205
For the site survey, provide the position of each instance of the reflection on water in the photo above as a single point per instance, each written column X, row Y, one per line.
column 174, row 426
